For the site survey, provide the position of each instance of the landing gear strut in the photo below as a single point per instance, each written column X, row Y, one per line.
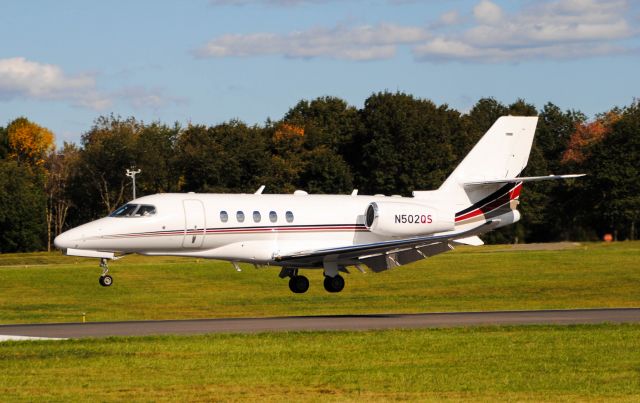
column 334, row 284
column 105, row 279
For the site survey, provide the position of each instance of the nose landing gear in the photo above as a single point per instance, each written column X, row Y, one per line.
column 105, row 279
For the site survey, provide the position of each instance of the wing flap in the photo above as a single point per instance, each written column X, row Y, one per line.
column 401, row 250
column 389, row 260
column 472, row 240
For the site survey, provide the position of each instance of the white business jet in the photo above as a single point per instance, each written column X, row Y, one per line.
column 329, row 232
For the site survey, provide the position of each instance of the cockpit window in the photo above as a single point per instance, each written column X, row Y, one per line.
column 125, row 211
column 145, row 210
column 134, row 210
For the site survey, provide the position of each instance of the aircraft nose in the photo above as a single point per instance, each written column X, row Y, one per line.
column 63, row 241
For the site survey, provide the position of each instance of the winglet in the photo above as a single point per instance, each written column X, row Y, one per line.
column 259, row 191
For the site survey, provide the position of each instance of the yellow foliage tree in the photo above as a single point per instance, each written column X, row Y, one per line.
column 29, row 142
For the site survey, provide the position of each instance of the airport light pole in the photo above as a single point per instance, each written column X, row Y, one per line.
column 132, row 173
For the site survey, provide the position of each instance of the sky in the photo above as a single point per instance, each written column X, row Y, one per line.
column 64, row 63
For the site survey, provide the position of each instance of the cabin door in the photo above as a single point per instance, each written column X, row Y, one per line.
column 194, row 224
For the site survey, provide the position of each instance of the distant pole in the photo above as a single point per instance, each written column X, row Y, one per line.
column 132, row 173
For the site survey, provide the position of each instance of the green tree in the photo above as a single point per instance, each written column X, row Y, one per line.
column 156, row 159
column 22, row 208
column 312, row 146
column 327, row 121
column 325, row 172
column 230, row 157
column 405, row 144
column 4, row 143
column 613, row 186
column 60, row 166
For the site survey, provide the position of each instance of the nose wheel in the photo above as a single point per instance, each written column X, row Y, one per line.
column 105, row 279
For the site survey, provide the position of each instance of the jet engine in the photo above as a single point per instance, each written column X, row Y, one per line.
column 391, row 218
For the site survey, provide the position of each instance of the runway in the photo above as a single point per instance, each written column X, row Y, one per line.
column 329, row 322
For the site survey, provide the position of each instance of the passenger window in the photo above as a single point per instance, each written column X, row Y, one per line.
column 256, row 216
column 145, row 210
column 289, row 216
column 125, row 211
column 240, row 216
column 273, row 217
column 224, row 217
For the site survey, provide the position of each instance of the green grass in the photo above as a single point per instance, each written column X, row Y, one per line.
column 527, row 363
column 45, row 287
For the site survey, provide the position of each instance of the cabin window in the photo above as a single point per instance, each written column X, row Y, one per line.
column 256, row 216
column 224, row 217
column 145, row 210
column 240, row 216
column 289, row 216
column 273, row 217
column 125, row 211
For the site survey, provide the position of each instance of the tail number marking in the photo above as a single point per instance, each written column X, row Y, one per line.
column 413, row 219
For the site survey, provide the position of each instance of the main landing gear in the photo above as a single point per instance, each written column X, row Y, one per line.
column 105, row 279
column 297, row 283
column 300, row 284
column 334, row 284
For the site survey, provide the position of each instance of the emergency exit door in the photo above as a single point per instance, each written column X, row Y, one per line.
column 194, row 224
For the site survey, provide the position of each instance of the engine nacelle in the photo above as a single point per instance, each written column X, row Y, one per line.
column 390, row 218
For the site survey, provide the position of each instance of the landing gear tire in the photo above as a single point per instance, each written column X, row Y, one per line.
column 106, row 280
column 334, row 284
column 298, row 284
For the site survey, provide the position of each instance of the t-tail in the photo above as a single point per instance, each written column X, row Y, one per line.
column 485, row 185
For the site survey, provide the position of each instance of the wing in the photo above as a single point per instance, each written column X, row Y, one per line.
column 381, row 256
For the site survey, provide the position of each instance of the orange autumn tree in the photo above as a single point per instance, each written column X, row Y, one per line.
column 588, row 134
column 286, row 131
column 29, row 142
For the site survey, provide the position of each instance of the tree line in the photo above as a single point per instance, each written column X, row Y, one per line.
column 394, row 144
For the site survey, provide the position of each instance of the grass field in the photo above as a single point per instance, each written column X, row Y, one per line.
column 45, row 287
column 528, row 363
column 523, row 363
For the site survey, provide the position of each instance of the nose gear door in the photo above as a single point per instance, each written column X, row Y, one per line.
column 194, row 224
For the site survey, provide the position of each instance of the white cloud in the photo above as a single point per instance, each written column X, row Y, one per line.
column 21, row 78
column 544, row 30
column 487, row 12
column 559, row 29
column 450, row 18
column 366, row 42
column 141, row 97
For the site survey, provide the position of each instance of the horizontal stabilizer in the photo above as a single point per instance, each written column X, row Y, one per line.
column 523, row 179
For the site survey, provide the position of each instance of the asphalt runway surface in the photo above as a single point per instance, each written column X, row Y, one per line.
column 329, row 322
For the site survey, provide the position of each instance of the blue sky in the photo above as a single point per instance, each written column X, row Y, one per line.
column 63, row 63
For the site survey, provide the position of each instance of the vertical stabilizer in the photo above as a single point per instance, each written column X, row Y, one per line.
column 501, row 153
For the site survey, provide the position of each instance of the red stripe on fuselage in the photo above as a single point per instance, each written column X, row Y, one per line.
column 492, row 205
column 247, row 230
